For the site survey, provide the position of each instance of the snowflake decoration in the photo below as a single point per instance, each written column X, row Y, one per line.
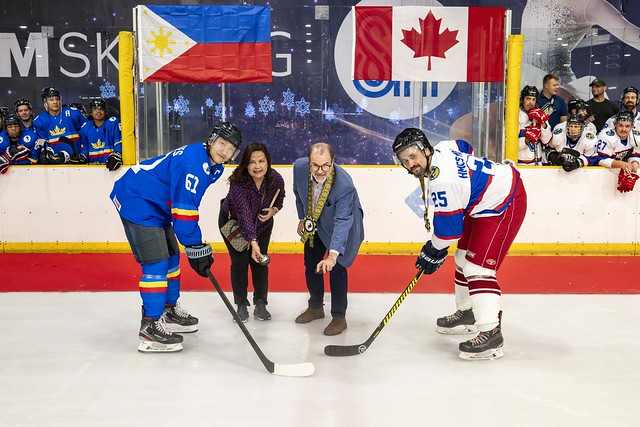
column 288, row 99
column 394, row 117
column 208, row 102
column 359, row 110
column 107, row 90
column 220, row 110
column 302, row 107
column 181, row 105
column 339, row 111
column 329, row 114
column 452, row 111
column 364, row 103
column 249, row 110
column 266, row 105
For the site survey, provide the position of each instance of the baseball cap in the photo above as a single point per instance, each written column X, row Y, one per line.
column 598, row 82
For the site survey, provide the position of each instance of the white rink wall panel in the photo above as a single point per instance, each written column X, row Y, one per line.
column 71, row 204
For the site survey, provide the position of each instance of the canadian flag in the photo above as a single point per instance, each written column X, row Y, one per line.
column 420, row 43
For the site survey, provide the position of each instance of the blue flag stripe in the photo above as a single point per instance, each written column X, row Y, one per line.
column 219, row 24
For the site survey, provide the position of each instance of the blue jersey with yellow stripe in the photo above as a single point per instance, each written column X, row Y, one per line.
column 99, row 142
column 168, row 189
column 67, row 123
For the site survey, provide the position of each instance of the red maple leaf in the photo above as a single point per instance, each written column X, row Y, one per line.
column 430, row 42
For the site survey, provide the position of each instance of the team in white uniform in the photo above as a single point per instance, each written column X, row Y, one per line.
column 535, row 131
column 572, row 145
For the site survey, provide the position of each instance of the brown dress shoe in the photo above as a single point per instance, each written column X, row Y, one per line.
column 337, row 325
column 310, row 314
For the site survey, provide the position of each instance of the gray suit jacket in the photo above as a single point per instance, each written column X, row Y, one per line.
column 340, row 226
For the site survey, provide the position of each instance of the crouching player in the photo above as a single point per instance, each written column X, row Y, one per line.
column 158, row 201
column 479, row 204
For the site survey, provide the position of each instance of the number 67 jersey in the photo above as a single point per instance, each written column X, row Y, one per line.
column 168, row 190
column 461, row 184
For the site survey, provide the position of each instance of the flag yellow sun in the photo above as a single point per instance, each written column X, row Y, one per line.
column 161, row 42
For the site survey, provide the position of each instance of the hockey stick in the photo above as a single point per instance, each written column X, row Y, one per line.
column 291, row 370
column 352, row 350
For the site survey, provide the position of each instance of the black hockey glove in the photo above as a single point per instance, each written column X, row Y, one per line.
column 554, row 157
column 571, row 163
column 18, row 152
column 430, row 259
column 78, row 159
column 200, row 257
column 114, row 161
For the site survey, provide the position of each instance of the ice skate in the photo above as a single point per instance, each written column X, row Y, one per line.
column 178, row 319
column 458, row 323
column 154, row 337
column 487, row 345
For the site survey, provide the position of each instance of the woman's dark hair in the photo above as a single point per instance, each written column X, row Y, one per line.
column 240, row 174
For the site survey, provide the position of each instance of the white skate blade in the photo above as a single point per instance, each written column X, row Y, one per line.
column 156, row 347
column 174, row 327
column 295, row 370
column 493, row 353
column 457, row 330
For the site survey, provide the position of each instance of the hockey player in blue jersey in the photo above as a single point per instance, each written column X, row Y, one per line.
column 158, row 200
column 16, row 144
column 59, row 128
column 101, row 138
column 480, row 205
column 24, row 111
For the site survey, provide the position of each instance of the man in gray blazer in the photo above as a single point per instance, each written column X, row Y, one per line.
column 330, row 222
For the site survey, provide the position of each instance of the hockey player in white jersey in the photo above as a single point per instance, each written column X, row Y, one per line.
column 480, row 205
column 618, row 149
column 630, row 103
column 573, row 146
column 535, row 131
column 581, row 108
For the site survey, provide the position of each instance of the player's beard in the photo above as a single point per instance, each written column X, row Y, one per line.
column 418, row 171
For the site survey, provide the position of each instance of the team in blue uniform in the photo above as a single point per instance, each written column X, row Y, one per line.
column 16, row 144
column 158, row 202
column 59, row 127
column 101, row 138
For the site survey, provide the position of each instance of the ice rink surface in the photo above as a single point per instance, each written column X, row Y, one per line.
column 70, row 359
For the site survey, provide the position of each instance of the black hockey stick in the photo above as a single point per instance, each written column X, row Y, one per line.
column 292, row 370
column 352, row 350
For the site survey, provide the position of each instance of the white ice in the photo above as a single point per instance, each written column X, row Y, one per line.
column 70, row 359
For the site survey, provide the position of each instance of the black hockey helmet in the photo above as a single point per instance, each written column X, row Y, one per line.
column 11, row 119
column 407, row 138
column 229, row 132
column 529, row 91
column 4, row 112
column 22, row 101
column 575, row 119
column 573, row 105
column 624, row 116
column 48, row 92
column 98, row 103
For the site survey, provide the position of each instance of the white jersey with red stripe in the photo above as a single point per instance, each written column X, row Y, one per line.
column 529, row 153
column 461, row 184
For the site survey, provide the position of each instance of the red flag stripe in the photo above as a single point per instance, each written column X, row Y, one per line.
column 485, row 57
column 219, row 62
column 372, row 60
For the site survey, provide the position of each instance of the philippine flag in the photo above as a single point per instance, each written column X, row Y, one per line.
column 204, row 43
column 420, row 43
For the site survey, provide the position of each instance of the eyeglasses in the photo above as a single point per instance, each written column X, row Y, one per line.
column 325, row 168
